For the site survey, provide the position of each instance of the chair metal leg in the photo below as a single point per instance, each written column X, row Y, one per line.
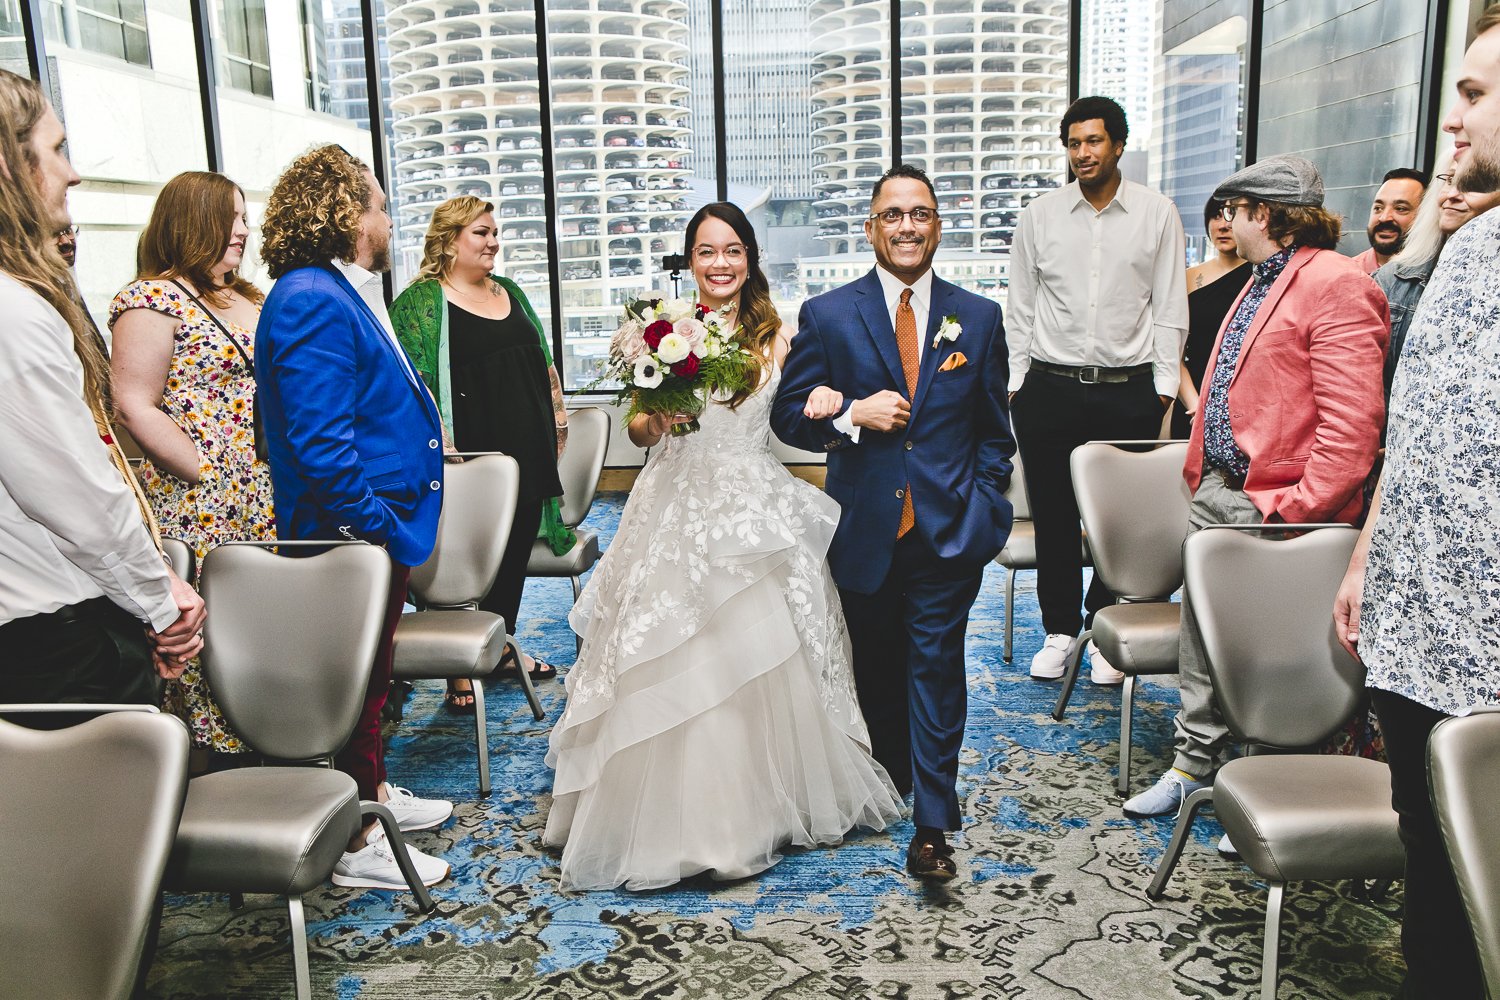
column 398, row 850
column 1010, row 611
column 1272, row 948
column 526, row 685
column 299, row 948
column 481, row 738
column 577, row 639
column 1127, row 704
column 1185, row 816
column 1070, row 673
column 236, row 900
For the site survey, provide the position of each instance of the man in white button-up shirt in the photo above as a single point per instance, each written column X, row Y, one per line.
column 87, row 604
column 1096, row 318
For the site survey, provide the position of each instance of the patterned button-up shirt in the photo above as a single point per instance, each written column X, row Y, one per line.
column 1219, row 447
column 1430, row 620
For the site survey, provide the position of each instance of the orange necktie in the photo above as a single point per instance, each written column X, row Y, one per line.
column 906, row 343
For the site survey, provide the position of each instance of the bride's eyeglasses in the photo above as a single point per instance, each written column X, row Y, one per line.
column 735, row 253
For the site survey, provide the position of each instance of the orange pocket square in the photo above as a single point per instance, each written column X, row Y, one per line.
column 952, row 361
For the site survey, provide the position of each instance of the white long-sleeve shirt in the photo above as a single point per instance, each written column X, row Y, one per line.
column 70, row 528
column 921, row 300
column 1098, row 288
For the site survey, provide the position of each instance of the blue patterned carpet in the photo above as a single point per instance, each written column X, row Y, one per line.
column 1050, row 902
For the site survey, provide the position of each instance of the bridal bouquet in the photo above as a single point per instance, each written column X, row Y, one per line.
column 671, row 356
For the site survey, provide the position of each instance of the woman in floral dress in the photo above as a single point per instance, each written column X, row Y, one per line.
column 184, row 387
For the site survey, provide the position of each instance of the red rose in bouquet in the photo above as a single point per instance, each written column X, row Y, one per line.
column 654, row 332
column 687, row 367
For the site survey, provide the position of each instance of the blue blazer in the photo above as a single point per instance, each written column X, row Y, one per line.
column 354, row 440
column 955, row 452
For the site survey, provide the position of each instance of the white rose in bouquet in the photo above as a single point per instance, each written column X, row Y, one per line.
column 675, row 309
column 673, row 348
column 695, row 332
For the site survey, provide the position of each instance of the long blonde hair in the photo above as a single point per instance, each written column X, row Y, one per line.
column 448, row 220
column 28, row 245
column 1425, row 239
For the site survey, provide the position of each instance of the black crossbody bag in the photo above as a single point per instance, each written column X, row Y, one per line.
column 256, row 431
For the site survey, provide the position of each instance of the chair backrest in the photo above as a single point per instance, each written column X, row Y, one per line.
column 1134, row 506
column 479, row 505
column 88, row 821
column 582, row 462
column 1463, row 766
column 180, row 555
column 1020, row 502
column 1265, row 608
column 289, row 642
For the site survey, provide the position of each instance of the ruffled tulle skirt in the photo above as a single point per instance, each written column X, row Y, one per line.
column 711, row 718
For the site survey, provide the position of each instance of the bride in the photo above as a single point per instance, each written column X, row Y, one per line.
column 711, row 716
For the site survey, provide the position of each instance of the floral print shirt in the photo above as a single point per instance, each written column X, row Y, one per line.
column 1219, row 447
column 1430, row 619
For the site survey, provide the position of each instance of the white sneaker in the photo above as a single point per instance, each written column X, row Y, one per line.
column 1100, row 669
column 1049, row 663
column 374, row 866
column 1227, row 849
column 413, row 813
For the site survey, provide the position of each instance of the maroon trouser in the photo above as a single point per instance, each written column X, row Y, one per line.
column 363, row 757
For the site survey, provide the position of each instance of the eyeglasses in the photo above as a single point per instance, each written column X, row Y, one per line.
column 1230, row 207
column 735, row 253
column 920, row 216
column 1445, row 178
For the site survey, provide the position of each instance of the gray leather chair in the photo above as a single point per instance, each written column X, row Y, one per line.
column 1134, row 506
column 89, row 817
column 287, row 648
column 580, row 467
column 180, row 555
column 450, row 637
column 1283, row 683
column 1463, row 767
column 1020, row 548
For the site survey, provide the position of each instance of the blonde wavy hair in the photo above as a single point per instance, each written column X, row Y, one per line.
column 448, row 220
column 314, row 212
column 28, row 245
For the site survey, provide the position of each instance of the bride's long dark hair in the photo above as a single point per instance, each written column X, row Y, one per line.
column 759, row 321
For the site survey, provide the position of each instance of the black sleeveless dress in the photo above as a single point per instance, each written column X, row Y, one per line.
column 1207, row 309
column 502, row 395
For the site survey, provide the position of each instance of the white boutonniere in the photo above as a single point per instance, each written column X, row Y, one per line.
column 949, row 329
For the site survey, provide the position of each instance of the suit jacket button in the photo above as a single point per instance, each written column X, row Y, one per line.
column 909, row 446
column 433, row 443
column 900, row 494
column 436, row 485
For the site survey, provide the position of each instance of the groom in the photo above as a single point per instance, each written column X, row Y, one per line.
column 919, row 449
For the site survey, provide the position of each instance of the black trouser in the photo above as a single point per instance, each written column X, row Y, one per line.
column 1436, row 938
column 93, row 652
column 1053, row 414
column 504, row 598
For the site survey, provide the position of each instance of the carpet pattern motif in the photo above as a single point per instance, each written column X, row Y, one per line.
column 1050, row 901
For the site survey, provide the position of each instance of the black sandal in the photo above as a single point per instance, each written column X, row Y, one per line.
column 458, row 701
column 540, row 669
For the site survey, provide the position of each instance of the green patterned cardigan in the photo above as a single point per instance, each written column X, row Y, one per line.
column 420, row 316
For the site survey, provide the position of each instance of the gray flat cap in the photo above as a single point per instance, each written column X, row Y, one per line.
column 1287, row 179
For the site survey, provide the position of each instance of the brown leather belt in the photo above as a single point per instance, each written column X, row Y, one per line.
column 1091, row 374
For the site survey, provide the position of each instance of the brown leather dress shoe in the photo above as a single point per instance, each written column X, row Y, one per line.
column 928, row 858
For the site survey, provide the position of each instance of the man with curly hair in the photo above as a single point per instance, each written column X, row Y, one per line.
column 354, row 441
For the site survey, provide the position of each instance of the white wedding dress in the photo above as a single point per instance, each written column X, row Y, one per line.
column 711, row 716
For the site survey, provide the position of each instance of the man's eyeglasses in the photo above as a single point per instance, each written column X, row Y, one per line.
column 1230, row 207
column 1445, row 178
column 735, row 253
column 920, row 216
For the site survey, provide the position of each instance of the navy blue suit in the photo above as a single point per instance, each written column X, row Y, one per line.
column 355, row 442
column 908, row 603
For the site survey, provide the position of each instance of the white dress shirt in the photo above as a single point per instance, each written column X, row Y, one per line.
column 369, row 287
column 891, row 288
column 70, row 527
column 1098, row 288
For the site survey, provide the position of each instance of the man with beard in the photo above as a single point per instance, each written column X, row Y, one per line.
column 354, row 440
column 1418, row 603
column 1098, row 314
column 67, row 244
column 1391, row 216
